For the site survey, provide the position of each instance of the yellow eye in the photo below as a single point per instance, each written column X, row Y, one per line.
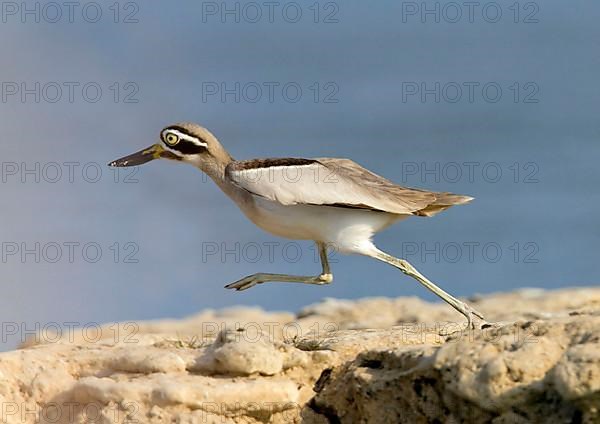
column 171, row 139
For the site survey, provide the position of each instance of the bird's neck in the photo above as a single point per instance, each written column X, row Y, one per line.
column 216, row 171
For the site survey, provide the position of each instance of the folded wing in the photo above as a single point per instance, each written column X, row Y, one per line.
column 335, row 182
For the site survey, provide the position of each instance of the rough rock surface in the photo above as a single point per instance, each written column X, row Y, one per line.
column 373, row 360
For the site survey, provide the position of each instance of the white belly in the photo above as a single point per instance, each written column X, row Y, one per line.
column 348, row 230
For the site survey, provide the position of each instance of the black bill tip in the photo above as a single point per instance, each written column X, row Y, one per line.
column 138, row 158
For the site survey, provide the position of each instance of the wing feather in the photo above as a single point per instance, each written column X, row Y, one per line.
column 334, row 182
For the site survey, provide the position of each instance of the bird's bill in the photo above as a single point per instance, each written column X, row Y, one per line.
column 155, row 151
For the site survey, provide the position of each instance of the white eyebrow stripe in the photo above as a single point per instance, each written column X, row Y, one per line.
column 184, row 136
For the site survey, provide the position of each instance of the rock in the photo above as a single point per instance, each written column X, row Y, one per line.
column 146, row 360
column 239, row 353
column 372, row 360
column 515, row 373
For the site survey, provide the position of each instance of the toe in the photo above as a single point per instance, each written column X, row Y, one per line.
column 478, row 314
column 243, row 284
column 237, row 285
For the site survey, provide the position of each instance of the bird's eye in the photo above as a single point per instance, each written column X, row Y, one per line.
column 171, row 139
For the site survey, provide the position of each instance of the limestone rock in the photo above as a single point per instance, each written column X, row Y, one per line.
column 373, row 360
column 239, row 353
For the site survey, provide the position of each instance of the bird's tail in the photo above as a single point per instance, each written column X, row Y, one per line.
column 442, row 202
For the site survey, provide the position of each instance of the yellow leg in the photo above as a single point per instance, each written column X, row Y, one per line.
column 409, row 270
column 251, row 280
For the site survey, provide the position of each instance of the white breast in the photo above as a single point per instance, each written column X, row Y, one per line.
column 348, row 229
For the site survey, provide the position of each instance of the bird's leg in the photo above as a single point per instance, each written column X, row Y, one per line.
column 409, row 270
column 324, row 278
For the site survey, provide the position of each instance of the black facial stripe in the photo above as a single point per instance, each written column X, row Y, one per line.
column 185, row 147
column 188, row 147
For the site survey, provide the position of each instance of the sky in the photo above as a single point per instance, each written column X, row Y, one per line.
column 498, row 101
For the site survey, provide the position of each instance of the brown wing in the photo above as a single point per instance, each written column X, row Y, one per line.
column 420, row 202
column 335, row 182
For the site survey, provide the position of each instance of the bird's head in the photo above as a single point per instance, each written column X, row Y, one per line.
column 185, row 142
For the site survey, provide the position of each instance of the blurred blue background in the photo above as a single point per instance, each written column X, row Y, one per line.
column 367, row 72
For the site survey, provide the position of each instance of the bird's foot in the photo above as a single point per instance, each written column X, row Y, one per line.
column 469, row 312
column 471, row 324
